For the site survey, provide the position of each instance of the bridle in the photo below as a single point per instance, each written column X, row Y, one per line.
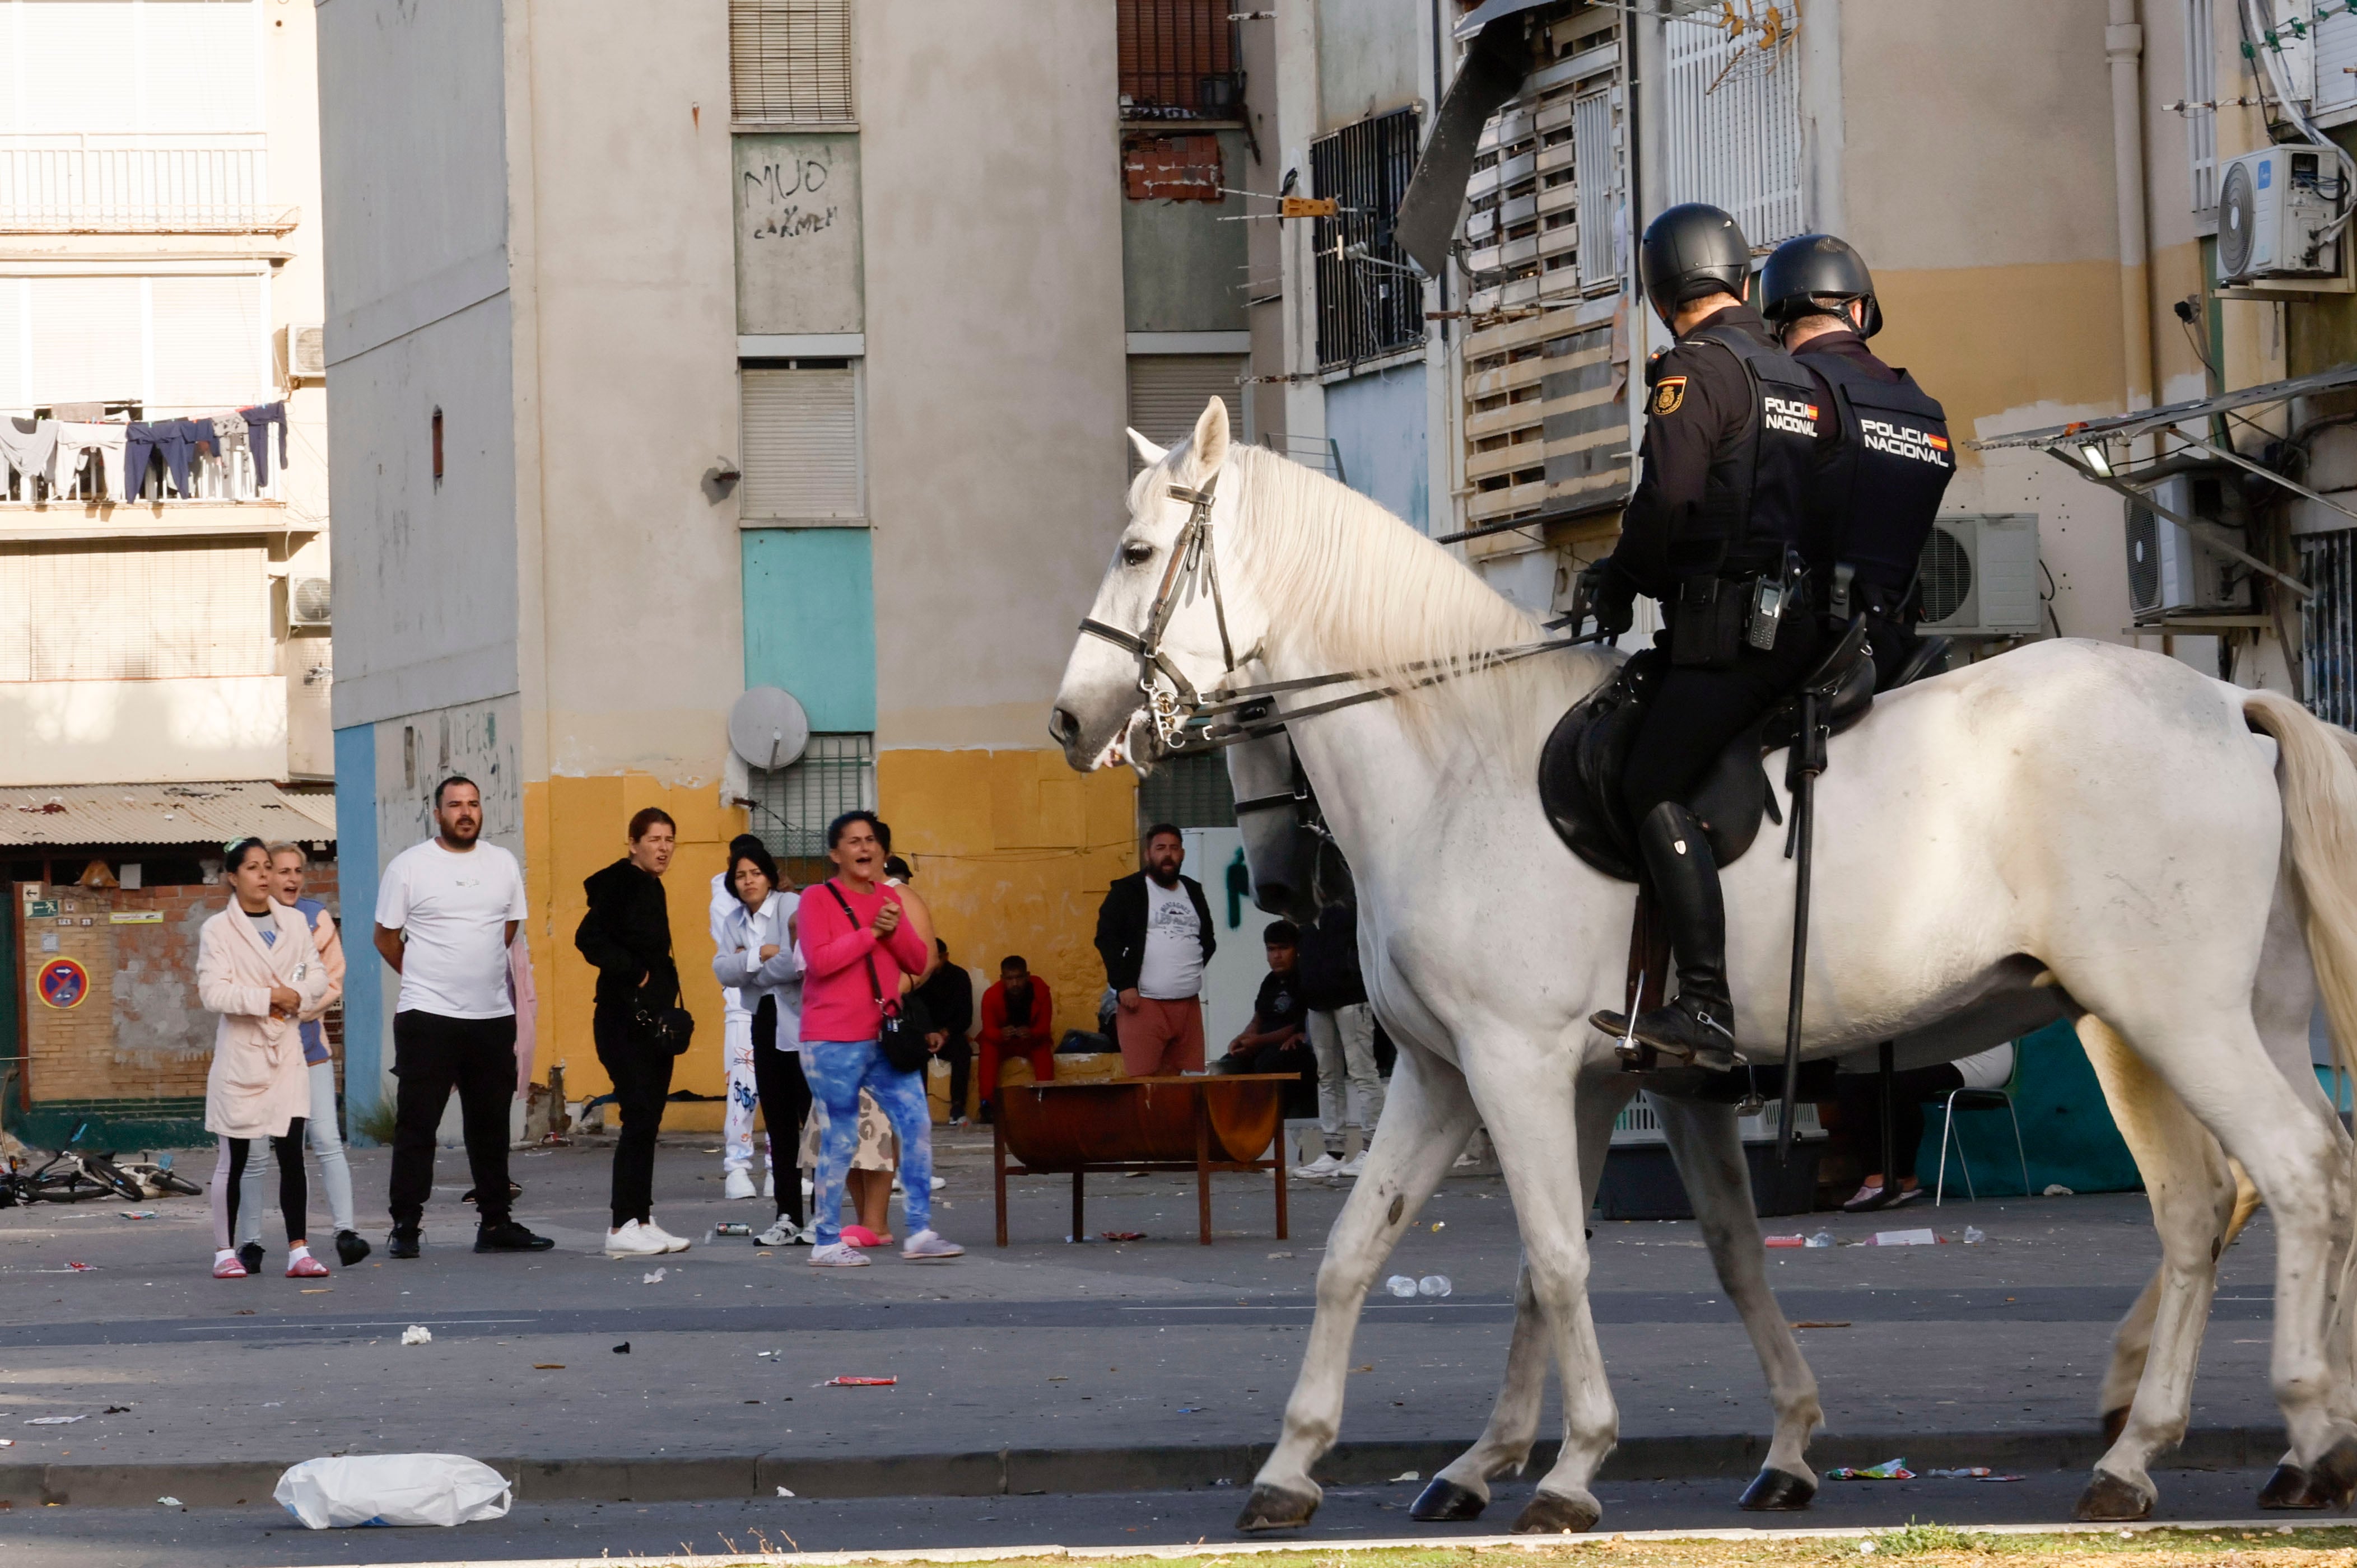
column 1189, row 720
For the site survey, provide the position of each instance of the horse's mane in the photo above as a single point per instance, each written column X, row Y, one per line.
column 1351, row 586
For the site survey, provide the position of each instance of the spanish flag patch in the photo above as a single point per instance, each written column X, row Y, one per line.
column 1669, row 395
column 1937, row 442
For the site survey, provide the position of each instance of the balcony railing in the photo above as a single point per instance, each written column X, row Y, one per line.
column 99, row 184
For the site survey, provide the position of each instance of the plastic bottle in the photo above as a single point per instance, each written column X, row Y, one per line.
column 1822, row 1239
column 1433, row 1284
column 1400, row 1285
column 1974, row 1235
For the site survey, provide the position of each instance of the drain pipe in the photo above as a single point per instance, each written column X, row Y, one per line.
column 2124, row 47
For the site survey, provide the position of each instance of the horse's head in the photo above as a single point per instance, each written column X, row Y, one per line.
column 1101, row 695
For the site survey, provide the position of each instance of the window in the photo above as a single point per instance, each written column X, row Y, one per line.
column 1600, row 196
column 70, row 612
column 1733, row 124
column 2327, row 562
column 2200, row 90
column 792, row 806
column 1188, row 792
column 1370, row 302
column 789, row 59
column 1168, row 392
column 438, row 448
column 1177, row 60
column 802, row 460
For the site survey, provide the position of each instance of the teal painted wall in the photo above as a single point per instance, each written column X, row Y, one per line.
column 358, row 871
column 810, row 621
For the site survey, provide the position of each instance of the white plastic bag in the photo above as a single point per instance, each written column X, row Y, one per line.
column 392, row 1488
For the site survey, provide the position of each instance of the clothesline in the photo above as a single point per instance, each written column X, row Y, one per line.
column 126, row 451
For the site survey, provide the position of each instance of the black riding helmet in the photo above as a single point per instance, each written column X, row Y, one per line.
column 1817, row 267
column 1689, row 251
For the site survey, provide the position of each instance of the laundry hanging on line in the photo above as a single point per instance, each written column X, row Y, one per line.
column 128, row 450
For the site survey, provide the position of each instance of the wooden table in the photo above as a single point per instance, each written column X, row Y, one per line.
column 1218, row 1122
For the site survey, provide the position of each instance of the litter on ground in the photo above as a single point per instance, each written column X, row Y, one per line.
column 1888, row 1470
column 856, row 1383
column 1903, row 1238
column 416, row 1333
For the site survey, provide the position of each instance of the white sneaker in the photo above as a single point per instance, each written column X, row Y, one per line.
column 926, row 1245
column 670, row 1243
column 739, row 1185
column 1464, row 1162
column 1351, row 1167
column 1318, row 1169
column 837, row 1255
column 784, row 1233
column 633, row 1241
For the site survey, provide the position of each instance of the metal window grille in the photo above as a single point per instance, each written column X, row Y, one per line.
column 1734, row 126
column 792, row 806
column 1188, row 793
column 789, row 59
column 1369, row 300
column 1597, row 162
column 2201, row 87
column 1169, row 50
column 2327, row 562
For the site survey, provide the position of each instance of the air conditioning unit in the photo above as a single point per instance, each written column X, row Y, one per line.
column 1979, row 577
column 307, row 601
column 2277, row 209
column 302, row 354
column 2171, row 568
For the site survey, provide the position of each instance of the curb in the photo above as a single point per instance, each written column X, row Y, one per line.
column 1171, row 1467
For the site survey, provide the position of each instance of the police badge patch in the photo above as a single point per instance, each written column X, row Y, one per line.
column 1669, row 395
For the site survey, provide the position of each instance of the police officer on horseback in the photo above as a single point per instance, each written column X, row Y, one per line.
column 1877, row 486
column 1716, row 534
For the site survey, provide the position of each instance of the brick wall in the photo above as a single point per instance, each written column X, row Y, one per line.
column 139, row 1034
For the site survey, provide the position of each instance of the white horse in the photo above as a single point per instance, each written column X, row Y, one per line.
column 1294, row 870
column 2073, row 827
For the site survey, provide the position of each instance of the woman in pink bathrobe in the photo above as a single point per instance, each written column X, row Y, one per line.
column 257, row 967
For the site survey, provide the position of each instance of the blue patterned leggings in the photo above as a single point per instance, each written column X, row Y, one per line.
column 837, row 1071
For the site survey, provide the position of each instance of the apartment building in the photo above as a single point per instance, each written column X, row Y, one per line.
column 784, row 344
column 165, row 634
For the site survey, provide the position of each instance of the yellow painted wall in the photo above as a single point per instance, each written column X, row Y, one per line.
column 1012, row 851
column 573, row 827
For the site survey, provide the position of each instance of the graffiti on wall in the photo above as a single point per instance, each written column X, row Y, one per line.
column 476, row 741
column 787, row 198
column 797, row 260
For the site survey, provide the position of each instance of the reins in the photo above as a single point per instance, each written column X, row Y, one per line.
column 1189, row 720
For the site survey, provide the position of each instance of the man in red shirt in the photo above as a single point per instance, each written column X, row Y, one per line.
column 1017, row 1019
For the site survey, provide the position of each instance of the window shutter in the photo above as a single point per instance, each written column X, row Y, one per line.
column 140, row 612
column 202, row 65
column 13, row 393
column 211, row 344
column 801, row 446
column 1592, row 154
column 790, row 59
column 1733, row 114
column 1166, row 48
column 2201, row 87
column 1168, row 392
column 88, row 344
column 78, row 70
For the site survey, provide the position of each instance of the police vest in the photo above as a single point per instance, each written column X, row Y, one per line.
column 1874, row 498
column 1754, row 496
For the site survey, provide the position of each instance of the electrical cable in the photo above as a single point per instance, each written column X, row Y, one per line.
column 2269, row 57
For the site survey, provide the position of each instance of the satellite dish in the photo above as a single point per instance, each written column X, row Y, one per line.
column 768, row 728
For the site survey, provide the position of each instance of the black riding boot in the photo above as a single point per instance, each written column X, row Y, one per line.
column 1698, row 1028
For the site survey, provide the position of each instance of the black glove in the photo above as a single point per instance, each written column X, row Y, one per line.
column 1609, row 595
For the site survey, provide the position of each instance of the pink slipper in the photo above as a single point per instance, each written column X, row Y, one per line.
column 860, row 1236
column 229, row 1268
column 306, row 1267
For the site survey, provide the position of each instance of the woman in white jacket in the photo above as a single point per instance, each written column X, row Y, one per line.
column 757, row 955
column 258, row 967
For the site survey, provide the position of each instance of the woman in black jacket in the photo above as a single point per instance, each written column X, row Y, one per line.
column 627, row 934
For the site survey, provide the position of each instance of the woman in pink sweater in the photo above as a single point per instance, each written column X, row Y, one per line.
column 855, row 948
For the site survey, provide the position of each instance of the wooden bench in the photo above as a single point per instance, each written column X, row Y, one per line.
column 1215, row 1122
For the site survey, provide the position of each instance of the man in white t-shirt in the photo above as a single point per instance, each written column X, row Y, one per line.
column 1154, row 932
column 445, row 913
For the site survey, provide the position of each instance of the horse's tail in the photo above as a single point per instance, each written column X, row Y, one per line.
column 2318, row 775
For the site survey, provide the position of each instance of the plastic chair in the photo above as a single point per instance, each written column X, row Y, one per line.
column 1979, row 1099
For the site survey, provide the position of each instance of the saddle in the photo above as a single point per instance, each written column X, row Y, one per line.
column 1580, row 767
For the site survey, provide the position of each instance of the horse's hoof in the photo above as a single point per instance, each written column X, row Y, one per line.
column 2110, row 1500
column 1269, row 1509
column 2334, row 1476
column 1553, row 1513
column 1775, row 1492
column 2116, row 1421
column 1446, row 1502
column 2291, row 1487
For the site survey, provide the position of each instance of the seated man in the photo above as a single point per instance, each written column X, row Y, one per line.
column 1017, row 1019
column 1277, row 1038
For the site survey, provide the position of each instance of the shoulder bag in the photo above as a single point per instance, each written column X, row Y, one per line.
column 906, row 1022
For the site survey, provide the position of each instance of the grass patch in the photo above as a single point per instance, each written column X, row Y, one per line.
column 375, row 1122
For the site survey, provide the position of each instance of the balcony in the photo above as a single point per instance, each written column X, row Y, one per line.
column 95, row 184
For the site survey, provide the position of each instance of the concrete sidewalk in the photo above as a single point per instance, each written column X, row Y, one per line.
column 1047, row 1367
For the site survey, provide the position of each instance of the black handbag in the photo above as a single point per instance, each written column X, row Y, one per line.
column 907, row 1021
column 669, row 1029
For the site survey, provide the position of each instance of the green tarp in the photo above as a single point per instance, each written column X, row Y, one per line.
column 2066, row 1128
